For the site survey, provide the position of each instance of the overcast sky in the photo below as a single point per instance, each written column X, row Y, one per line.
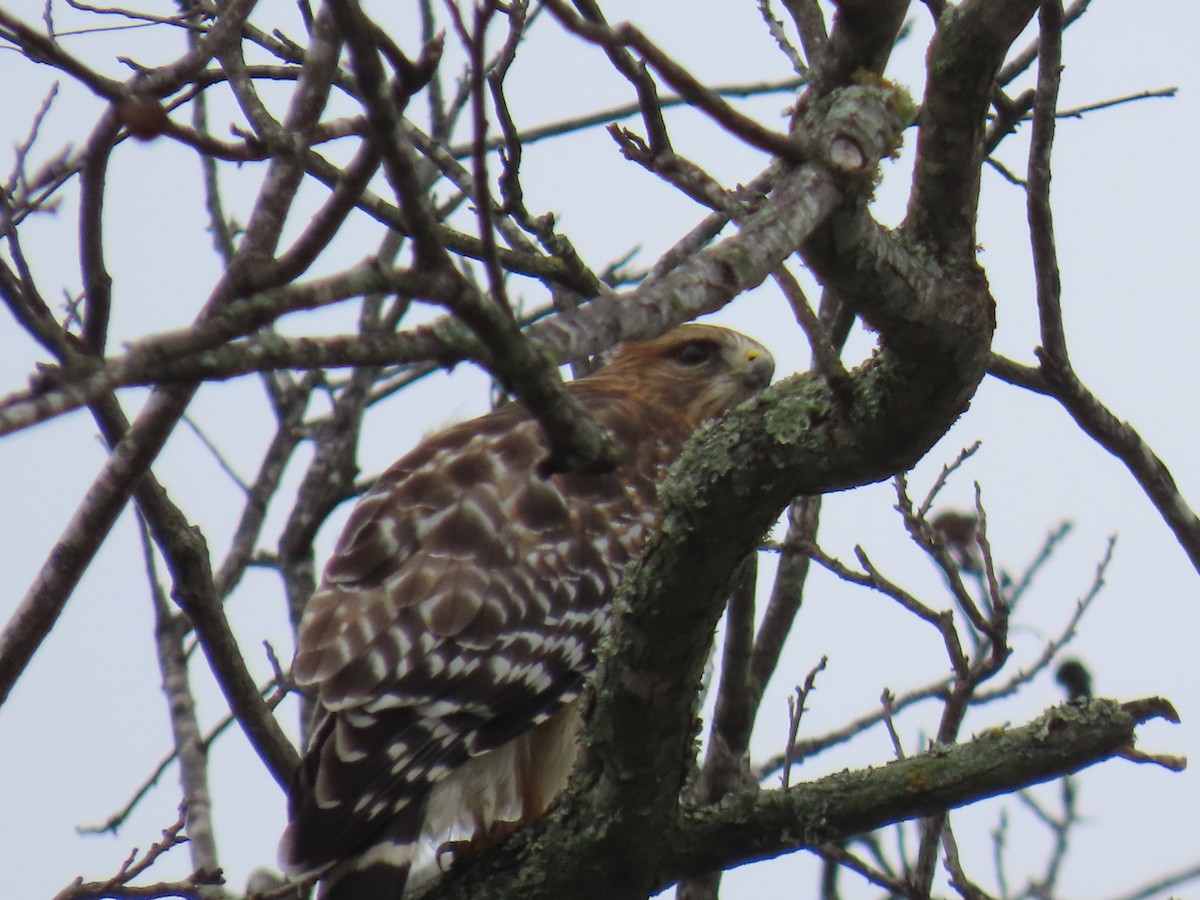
column 87, row 722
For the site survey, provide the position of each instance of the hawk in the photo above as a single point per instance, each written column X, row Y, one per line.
column 457, row 621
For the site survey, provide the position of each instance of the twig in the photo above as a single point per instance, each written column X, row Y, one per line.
column 258, row 495
column 1060, row 826
column 820, row 744
column 180, row 20
column 1052, row 648
column 475, row 43
column 998, row 614
column 191, row 888
column 1025, row 58
column 46, row 49
column 1055, row 376
column 512, row 150
column 947, row 470
column 1056, row 535
column 966, row 888
column 1006, row 173
column 810, row 24
column 398, row 159
column 775, row 28
column 222, row 237
column 825, row 355
column 999, row 845
column 218, row 456
column 1078, row 112
column 117, row 819
column 871, row 577
column 840, row 856
column 441, row 124
column 1160, row 885
column 796, row 709
column 678, row 171
column 925, row 536
column 17, row 179
column 628, row 110
column 887, row 700
column 626, row 35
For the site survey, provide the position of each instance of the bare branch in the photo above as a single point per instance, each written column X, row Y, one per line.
column 888, row 700
column 1024, row 59
column 810, row 23
column 796, row 707
column 475, row 43
column 787, row 593
column 193, row 888
column 626, row 35
column 775, row 27
column 627, row 110
column 185, row 727
column 1041, row 225
column 114, row 822
column 729, row 834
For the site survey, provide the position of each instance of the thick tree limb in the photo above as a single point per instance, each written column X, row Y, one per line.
column 757, row 825
column 764, row 824
column 864, row 32
column 966, row 52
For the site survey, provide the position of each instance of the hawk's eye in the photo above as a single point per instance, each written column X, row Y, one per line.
column 696, row 353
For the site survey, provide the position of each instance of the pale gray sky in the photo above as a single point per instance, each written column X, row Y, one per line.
column 87, row 722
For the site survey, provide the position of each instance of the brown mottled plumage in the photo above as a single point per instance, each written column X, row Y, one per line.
column 457, row 621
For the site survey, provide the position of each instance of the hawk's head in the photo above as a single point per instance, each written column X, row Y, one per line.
column 697, row 370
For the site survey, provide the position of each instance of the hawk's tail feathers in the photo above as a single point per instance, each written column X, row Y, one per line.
column 379, row 872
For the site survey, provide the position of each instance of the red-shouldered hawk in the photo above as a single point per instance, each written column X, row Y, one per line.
column 458, row 619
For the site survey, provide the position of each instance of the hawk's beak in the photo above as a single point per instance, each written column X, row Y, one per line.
column 758, row 368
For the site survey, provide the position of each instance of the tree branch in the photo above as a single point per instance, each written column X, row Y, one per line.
column 970, row 44
column 752, row 826
column 762, row 824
